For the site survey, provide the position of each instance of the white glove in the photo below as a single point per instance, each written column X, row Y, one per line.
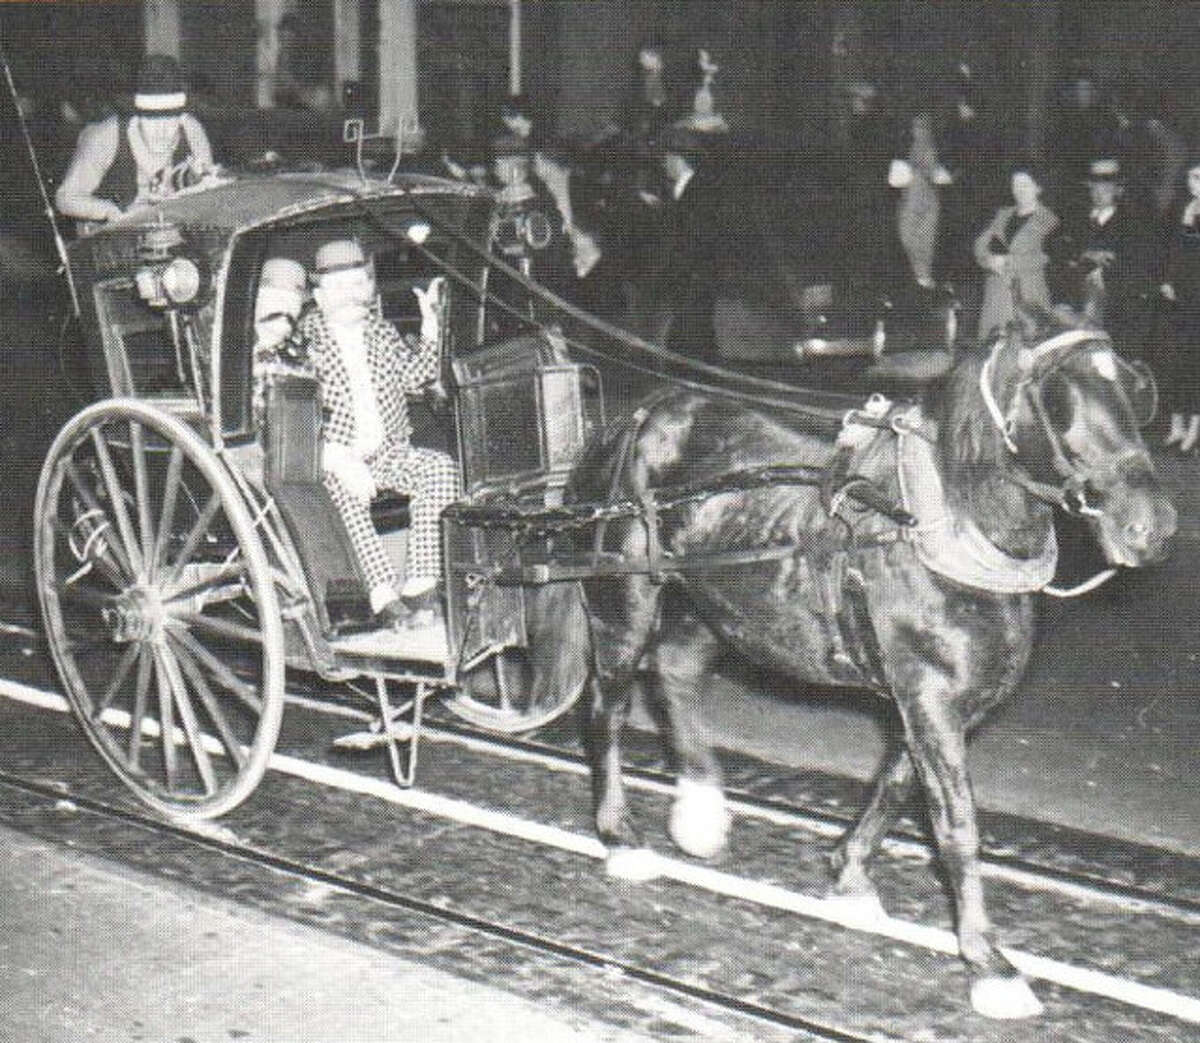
column 349, row 469
column 432, row 302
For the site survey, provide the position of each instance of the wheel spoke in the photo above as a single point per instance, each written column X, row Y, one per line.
column 112, row 547
column 222, row 576
column 139, row 707
column 85, row 594
column 195, row 534
column 114, row 686
column 187, row 715
column 221, row 627
column 170, row 498
column 117, row 495
column 244, row 691
column 141, row 484
column 166, row 720
column 211, row 705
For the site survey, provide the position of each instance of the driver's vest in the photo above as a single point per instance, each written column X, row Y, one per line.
column 120, row 181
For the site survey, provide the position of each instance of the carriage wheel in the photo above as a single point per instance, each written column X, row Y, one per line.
column 160, row 608
column 498, row 695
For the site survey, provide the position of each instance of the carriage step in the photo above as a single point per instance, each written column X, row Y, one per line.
column 425, row 644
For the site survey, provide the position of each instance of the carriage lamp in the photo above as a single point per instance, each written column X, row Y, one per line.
column 167, row 278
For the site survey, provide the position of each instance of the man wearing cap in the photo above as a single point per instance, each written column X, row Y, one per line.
column 365, row 369
column 1109, row 264
column 694, row 241
column 125, row 161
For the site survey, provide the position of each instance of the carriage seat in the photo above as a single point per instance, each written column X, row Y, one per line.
column 389, row 512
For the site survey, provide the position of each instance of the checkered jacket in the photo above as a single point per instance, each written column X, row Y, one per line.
column 398, row 367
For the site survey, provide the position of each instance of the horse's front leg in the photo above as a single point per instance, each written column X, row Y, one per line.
column 682, row 662
column 937, row 742
column 619, row 638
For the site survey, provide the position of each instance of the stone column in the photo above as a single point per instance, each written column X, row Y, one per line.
column 398, row 111
column 346, row 65
column 267, row 14
column 514, row 46
column 160, row 19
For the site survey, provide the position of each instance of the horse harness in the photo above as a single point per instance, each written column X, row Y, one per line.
column 1035, row 365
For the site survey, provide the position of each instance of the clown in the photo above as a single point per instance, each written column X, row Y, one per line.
column 121, row 163
column 365, row 369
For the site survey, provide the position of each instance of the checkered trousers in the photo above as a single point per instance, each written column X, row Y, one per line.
column 430, row 479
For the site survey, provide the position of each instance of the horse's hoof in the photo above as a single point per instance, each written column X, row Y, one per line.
column 1007, row 998
column 855, row 909
column 637, row 864
column 699, row 822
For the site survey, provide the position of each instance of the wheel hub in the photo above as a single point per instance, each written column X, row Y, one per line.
column 137, row 615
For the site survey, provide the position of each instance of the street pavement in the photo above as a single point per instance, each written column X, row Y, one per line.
column 93, row 950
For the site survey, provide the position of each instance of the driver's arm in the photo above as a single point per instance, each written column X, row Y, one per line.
column 197, row 139
column 94, row 154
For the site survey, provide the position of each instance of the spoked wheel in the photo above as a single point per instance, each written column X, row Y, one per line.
column 160, row 608
column 499, row 695
column 504, row 693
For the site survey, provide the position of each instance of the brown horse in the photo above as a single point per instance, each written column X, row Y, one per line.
column 938, row 615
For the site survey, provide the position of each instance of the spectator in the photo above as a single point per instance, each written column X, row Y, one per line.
column 968, row 149
column 1086, row 127
column 122, row 163
column 1012, row 251
column 692, row 245
column 1178, row 367
column 921, row 179
column 652, row 106
column 1107, row 257
column 365, row 369
column 1154, row 150
column 704, row 116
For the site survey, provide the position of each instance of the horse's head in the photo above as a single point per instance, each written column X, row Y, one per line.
column 1069, row 412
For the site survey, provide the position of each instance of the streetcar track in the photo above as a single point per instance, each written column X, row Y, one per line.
column 1079, row 978
column 224, row 842
column 1089, row 886
column 1012, row 868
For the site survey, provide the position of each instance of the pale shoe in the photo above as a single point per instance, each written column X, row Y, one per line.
column 1192, row 434
column 1177, row 430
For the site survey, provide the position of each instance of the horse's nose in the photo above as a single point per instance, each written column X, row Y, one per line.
column 1149, row 532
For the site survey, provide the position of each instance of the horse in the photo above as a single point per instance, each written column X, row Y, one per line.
column 930, row 603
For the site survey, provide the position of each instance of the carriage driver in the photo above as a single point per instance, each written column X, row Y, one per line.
column 365, row 369
column 124, row 162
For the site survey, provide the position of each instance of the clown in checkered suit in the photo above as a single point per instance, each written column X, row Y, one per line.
column 366, row 369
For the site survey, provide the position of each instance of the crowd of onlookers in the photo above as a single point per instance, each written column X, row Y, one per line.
column 1102, row 227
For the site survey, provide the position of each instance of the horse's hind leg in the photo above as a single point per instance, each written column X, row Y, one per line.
column 937, row 743
column 683, row 658
column 851, row 857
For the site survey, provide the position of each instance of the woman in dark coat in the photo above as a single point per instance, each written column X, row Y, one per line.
column 1012, row 249
column 1178, row 370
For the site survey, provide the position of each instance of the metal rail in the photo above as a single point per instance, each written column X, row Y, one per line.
column 223, row 842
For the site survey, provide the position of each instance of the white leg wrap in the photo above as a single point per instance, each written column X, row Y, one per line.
column 637, row 864
column 699, row 821
column 1005, row 998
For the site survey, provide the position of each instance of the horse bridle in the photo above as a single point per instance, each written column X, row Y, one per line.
column 1034, row 365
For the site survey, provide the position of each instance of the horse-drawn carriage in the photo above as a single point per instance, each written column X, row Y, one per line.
column 187, row 556
column 186, row 553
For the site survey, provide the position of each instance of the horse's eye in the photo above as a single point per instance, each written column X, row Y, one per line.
column 1056, row 400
